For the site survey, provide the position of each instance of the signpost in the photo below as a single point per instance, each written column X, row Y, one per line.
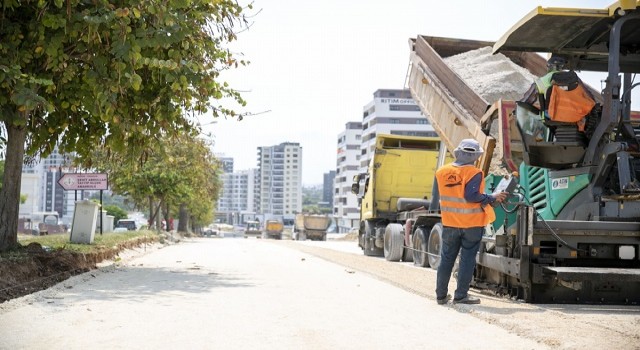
column 85, row 181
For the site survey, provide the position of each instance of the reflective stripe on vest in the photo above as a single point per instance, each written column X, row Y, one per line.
column 455, row 210
column 459, row 210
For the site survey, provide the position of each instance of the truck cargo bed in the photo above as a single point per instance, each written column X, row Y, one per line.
column 454, row 108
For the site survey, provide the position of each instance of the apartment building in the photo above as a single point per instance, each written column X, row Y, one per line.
column 393, row 112
column 280, row 173
column 40, row 184
column 327, row 186
column 236, row 203
column 345, row 204
column 226, row 163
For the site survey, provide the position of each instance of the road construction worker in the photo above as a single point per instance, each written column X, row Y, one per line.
column 465, row 211
column 535, row 96
column 560, row 95
column 554, row 64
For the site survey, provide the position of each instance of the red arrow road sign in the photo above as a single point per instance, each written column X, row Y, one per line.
column 83, row 181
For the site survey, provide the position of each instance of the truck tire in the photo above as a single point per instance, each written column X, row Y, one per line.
column 420, row 240
column 407, row 254
column 435, row 246
column 393, row 242
column 369, row 248
column 324, row 236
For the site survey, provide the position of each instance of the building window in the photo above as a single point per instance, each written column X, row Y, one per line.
column 405, row 108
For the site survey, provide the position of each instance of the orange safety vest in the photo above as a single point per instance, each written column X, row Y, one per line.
column 455, row 210
column 570, row 106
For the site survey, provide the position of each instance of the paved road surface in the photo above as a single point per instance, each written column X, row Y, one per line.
column 239, row 294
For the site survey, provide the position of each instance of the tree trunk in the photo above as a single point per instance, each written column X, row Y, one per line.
column 158, row 217
column 154, row 214
column 10, row 192
column 166, row 216
column 150, row 213
column 184, row 219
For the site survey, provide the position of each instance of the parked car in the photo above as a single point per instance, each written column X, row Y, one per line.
column 211, row 231
column 129, row 224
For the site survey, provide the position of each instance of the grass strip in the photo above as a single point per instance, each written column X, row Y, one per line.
column 106, row 240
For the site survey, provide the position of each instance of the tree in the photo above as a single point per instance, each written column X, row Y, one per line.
column 109, row 198
column 88, row 73
column 181, row 173
column 23, row 197
column 117, row 212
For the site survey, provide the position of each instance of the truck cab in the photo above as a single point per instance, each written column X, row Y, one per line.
column 400, row 177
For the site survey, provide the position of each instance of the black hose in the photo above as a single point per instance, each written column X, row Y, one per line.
column 553, row 232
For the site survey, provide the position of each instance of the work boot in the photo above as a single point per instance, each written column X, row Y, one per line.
column 467, row 300
column 444, row 300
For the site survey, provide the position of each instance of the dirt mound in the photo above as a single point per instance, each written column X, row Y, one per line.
column 32, row 268
column 351, row 236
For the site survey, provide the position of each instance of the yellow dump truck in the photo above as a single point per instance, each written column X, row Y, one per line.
column 395, row 193
column 314, row 227
column 273, row 229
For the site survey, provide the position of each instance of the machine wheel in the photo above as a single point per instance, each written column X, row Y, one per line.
column 302, row 236
column 324, row 237
column 369, row 231
column 407, row 254
column 393, row 242
column 435, row 246
column 420, row 241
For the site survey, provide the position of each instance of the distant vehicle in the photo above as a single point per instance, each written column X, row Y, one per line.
column 129, row 224
column 252, row 229
column 211, row 230
column 312, row 227
column 273, row 229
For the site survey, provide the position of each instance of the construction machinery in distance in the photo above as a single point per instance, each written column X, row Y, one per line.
column 310, row 226
column 252, row 229
column 273, row 229
column 570, row 232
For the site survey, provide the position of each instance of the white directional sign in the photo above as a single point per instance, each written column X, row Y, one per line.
column 83, row 181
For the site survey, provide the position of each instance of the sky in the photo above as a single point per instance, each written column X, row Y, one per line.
column 315, row 64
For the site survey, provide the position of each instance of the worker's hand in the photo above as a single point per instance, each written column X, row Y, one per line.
column 500, row 197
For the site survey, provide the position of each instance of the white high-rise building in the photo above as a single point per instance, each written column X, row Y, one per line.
column 391, row 112
column 345, row 204
column 280, row 180
column 237, row 197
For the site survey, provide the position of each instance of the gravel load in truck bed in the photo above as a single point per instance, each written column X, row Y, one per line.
column 493, row 77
